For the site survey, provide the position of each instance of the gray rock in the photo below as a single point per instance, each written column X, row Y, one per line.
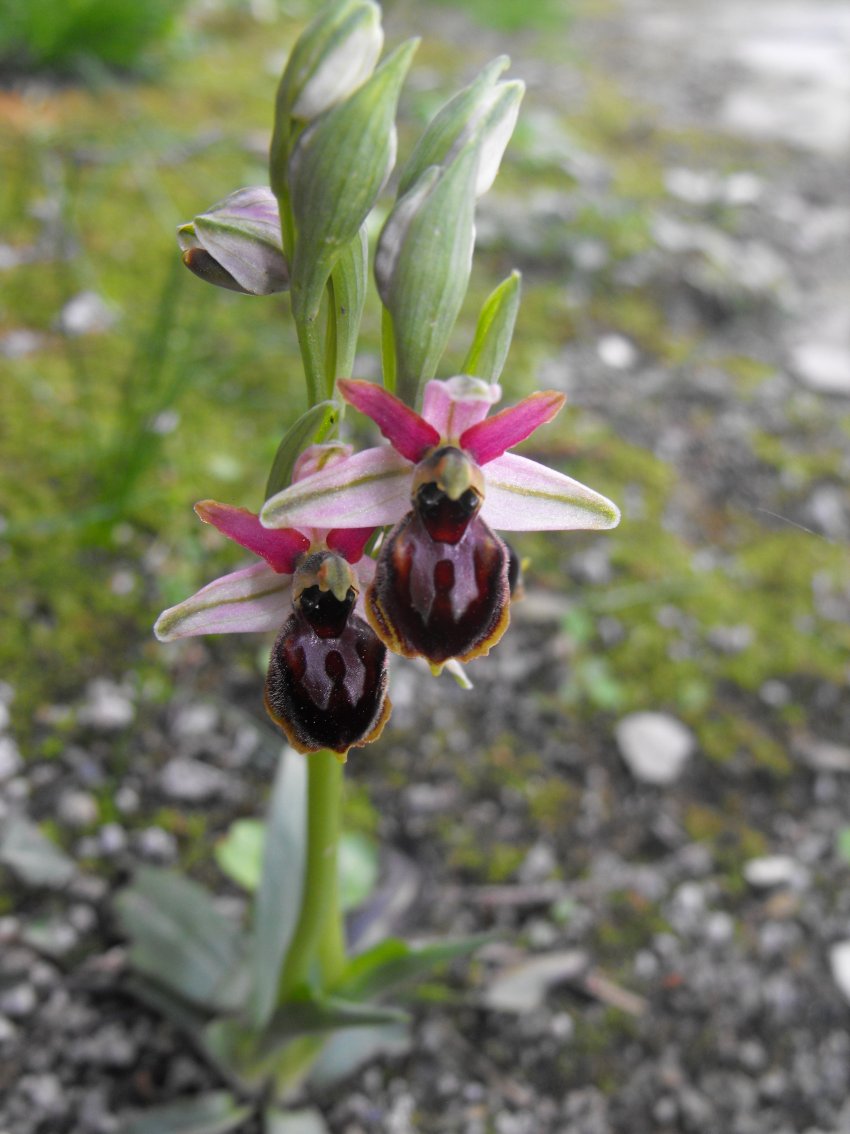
column 654, row 746
column 107, row 706
column 839, row 963
column 772, row 870
column 86, row 314
column 18, row 1001
column 77, row 809
column 10, row 757
column 156, row 844
column 112, row 839
column 192, row 781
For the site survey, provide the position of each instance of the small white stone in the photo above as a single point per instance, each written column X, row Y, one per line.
column 10, row 758
column 839, row 962
column 85, row 314
column 654, row 746
column 772, row 870
column 617, row 352
column 107, row 706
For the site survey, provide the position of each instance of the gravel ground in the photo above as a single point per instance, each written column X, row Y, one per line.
column 672, row 951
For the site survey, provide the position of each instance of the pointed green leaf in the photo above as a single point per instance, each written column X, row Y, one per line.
column 336, row 171
column 326, row 1014
column 349, row 278
column 352, row 1048
column 449, row 124
column 494, row 332
column 393, row 962
column 278, row 901
column 180, row 940
column 214, row 1113
column 358, row 869
column 240, row 853
column 311, row 428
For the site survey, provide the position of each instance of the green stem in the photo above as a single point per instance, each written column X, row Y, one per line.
column 332, row 340
column 388, row 359
column 313, row 356
column 319, row 930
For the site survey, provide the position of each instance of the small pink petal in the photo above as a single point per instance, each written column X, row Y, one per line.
column 349, row 542
column 407, row 432
column 455, row 404
column 280, row 548
column 523, row 496
column 253, row 599
column 370, row 489
column 490, row 438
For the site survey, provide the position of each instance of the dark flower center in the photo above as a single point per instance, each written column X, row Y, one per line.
column 324, row 611
column 445, row 519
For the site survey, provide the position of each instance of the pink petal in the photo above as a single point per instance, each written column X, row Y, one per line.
column 349, row 542
column 254, row 599
column 489, row 439
column 523, row 496
column 280, row 548
column 370, row 489
column 452, row 406
column 407, row 432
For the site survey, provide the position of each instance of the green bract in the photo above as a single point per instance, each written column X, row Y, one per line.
column 337, row 169
column 422, row 265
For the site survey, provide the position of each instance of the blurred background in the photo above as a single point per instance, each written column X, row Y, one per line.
column 653, row 770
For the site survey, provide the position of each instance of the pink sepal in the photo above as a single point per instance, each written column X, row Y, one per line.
column 407, row 432
column 523, row 496
column 253, row 599
column 370, row 489
column 349, row 542
column 453, row 405
column 280, row 548
column 490, row 438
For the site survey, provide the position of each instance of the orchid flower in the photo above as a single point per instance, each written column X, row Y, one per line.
column 327, row 677
column 441, row 588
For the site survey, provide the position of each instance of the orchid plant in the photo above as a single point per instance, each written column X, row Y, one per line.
column 393, row 550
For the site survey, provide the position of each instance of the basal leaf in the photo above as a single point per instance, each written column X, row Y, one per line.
column 214, row 1113
column 278, row 900
column 180, row 940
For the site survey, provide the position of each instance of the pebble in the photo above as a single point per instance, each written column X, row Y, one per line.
column 77, row 809
column 112, row 839
column 654, row 746
column 156, row 844
column 86, row 314
column 11, row 761
column 8, row 1031
column 839, row 963
column 616, row 352
column 107, row 706
column 823, row 366
column 18, row 1001
column 196, row 720
column 773, row 870
column 192, row 781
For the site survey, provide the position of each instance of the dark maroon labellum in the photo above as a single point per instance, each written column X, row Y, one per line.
column 327, row 680
column 440, row 599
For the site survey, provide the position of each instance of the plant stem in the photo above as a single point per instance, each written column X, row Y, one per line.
column 319, row 932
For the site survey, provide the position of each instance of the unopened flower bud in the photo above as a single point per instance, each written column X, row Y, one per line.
column 236, row 243
column 336, row 172
column 336, row 53
column 484, row 112
column 422, row 265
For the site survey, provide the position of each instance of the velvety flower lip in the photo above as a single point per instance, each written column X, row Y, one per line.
column 374, row 486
